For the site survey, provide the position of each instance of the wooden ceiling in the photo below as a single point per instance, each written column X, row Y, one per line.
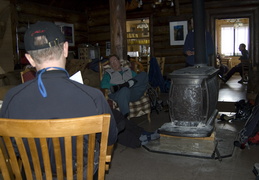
column 73, row 5
column 82, row 5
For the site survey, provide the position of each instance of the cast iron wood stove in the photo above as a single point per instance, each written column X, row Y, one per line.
column 193, row 99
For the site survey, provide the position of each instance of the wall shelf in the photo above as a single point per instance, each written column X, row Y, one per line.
column 138, row 39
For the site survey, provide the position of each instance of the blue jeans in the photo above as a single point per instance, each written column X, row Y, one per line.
column 126, row 95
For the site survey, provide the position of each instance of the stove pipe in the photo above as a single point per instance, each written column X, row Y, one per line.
column 199, row 32
column 193, row 93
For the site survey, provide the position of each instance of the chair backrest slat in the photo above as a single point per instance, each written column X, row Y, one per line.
column 103, row 149
column 46, row 157
column 35, row 159
column 5, row 160
column 91, row 144
column 35, row 142
column 11, row 157
column 68, row 151
column 58, row 158
column 79, row 161
column 24, row 157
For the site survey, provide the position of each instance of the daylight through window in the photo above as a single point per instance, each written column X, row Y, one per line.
column 231, row 37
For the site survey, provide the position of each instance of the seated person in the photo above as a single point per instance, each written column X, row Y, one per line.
column 124, row 84
column 52, row 95
column 237, row 68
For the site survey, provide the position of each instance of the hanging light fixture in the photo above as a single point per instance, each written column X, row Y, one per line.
column 238, row 23
column 163, row 2
column 140, row 3
column 142, row 24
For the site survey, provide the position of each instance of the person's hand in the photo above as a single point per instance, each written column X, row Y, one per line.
column 190, row 53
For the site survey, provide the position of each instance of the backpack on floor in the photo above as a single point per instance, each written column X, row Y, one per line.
column 250, row 129
column 243, row 110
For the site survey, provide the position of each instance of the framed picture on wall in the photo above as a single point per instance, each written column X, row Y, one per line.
column 68, row 31
column 178, row 32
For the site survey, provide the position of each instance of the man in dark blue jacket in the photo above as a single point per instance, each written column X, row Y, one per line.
column 189, row 50
column 52, row 95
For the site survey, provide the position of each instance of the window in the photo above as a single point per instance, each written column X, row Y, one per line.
column 231, row 36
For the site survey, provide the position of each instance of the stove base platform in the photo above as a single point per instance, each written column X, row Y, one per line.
column 219, row 145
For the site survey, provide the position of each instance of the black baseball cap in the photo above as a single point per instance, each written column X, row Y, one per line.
column 50, row 30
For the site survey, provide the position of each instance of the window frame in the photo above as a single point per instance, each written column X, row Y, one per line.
column 235, row 45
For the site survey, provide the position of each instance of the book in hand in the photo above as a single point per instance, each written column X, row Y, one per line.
column 77, row 77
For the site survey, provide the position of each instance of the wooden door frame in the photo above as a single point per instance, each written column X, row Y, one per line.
column 251, row 13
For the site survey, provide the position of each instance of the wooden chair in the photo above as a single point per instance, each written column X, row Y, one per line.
column 137, row 108
column 144, row 62
column 245, row 70
column 28, row 74
column 57, row 130
column 136, row 66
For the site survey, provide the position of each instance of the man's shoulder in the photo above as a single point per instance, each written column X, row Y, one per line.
column 17, row 88
column 88, row 88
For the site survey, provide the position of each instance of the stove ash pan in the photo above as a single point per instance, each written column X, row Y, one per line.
column 193, row 99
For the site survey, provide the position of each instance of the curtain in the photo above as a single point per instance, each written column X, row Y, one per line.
column 227, row 41
column 232, row 37
column 241, row 35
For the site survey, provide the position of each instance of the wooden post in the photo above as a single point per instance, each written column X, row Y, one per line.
column 176, row 7
column 118, row 28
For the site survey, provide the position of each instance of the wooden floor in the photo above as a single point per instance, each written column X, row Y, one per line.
column 141, row 164
column 230, row 93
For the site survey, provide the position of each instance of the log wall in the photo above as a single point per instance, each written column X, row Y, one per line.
column 26, row 13
column 161, row 16
column 93, row 25
column 6, row 44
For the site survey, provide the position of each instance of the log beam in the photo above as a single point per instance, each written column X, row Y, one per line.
column 118, row 28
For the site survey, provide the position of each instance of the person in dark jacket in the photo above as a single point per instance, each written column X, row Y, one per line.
column 52, row 95
column 237, row 68
column 189, row 50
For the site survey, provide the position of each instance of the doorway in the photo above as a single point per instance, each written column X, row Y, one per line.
column 229, row 34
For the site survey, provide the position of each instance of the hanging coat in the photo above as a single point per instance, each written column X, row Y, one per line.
column 155, row 76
